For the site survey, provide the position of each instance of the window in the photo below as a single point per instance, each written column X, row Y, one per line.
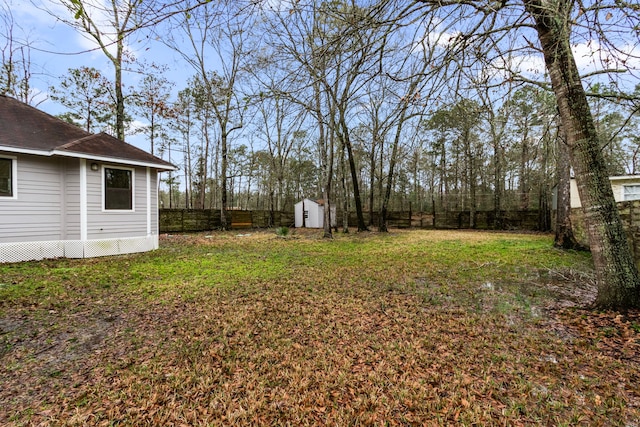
column 118, row 189
column 6, row 177
column 631, row 192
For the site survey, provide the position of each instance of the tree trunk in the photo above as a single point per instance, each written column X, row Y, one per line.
column 223, row 181
column 497, row 183
column 617, row 275
column 325, row 147
column 471, row 178
column 372, row 174
column 565, row 239
column 345, row 194
column 204, row 171
column 384, row 204
column 119, row 94
column 272, row 210
column 524, row 179
column 354, row 178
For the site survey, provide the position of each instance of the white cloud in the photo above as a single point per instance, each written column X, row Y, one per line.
column 436, row 35
column 592, row 56
column 36, row 13
column 531, row 66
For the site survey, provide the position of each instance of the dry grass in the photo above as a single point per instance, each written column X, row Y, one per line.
column 409, row 328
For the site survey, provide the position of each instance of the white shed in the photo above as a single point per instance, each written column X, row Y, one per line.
column 310, row 214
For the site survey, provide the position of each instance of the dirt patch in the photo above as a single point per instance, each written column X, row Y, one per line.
column 615, row 334
column 569, row 287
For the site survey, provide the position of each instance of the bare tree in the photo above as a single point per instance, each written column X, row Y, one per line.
column 107, row 26
column 564, row 236
column 618, row 278
column 553, row 22
column 111, row 25
column 217, row 35
column 15, row 60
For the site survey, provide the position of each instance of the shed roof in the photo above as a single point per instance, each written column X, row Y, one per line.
column 25, row 129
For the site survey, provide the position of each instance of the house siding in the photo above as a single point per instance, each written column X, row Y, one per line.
column 54, row 205
column 617, row 186
column 103, row 224
column 154, row 182
column 36, row 211
column 316, row 214
column 45, row 219
column 71, row 208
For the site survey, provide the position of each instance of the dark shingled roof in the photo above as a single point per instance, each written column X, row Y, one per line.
column 23, row 127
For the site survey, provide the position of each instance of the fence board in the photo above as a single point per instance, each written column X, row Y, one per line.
column 193, row 220
column 241, row 219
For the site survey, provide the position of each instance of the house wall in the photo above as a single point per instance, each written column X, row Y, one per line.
column 154, row 181
column 103, row 224
column 617, row 185
column 71, row 192
column 575, row 196
column 297, row 215
column 316, row 214
column 45, row 219
column 37, row 210
column 630, row 216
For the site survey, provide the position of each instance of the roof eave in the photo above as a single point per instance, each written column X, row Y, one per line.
column 63, row 153
column 107, row 159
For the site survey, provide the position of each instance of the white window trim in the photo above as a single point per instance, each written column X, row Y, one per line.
column 133, row 189
column 14, row 178
column 624, row 194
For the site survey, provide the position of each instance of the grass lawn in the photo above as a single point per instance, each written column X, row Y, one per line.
column 405, row 328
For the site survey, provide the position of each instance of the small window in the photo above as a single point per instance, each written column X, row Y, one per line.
column 6, row 177
column 118, row 189
column 306, row 214
column 631, row 192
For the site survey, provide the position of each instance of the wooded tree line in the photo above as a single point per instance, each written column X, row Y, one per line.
column 372, row 105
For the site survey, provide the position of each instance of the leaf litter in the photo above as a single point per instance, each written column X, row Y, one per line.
column 368, row 329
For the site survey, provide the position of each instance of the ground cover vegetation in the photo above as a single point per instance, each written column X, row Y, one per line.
column 264, row 328
column 371, row 105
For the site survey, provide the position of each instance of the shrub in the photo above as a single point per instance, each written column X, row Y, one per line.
column 282, row 231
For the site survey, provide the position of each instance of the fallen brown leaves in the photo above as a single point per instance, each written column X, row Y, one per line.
column 337, row 341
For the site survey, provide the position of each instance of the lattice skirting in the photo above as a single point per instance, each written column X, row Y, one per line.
column 29, row 251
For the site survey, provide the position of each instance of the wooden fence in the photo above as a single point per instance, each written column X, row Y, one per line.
column 194, row 220
column 630, row 216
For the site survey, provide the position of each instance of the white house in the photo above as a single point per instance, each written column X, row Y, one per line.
column 68, row 193
column 624, row 188
column 310, row 214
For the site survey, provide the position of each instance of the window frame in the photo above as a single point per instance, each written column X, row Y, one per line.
column 13, row 177
column 104, row 188
column 624, row 192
